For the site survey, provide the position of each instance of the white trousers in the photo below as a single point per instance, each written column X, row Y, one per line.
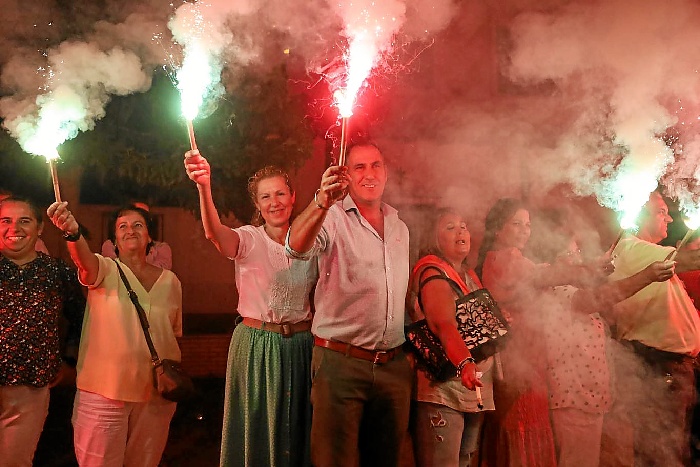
column 23, row 410
column 577, row 436
column 109, row 433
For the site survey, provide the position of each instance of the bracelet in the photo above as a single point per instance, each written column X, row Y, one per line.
column 72, row 237
column 463, row 363
column 316, row 201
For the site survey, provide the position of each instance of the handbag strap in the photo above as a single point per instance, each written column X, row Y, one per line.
column 469, row 281
column 141, row 313
column 442, row 276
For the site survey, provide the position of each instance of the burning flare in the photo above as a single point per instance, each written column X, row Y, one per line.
column 369, row 29
column 361, row 57
column 198, row 28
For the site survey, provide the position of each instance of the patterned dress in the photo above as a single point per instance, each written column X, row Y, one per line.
column 519, row 433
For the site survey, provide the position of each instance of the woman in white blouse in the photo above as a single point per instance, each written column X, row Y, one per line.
column 267, row 413
column 119, row 419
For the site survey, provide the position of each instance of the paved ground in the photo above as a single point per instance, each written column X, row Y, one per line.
column 195, row 432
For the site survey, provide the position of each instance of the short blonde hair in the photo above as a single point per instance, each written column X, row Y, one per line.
column 269, row 171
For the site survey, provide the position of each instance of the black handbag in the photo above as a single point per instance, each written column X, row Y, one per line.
column 429, row 352
column 168, row 377
column 480, row 322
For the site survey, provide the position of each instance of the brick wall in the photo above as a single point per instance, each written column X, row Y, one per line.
column 204, row 355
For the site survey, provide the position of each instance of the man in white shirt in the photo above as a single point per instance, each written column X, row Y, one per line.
column 361, row 377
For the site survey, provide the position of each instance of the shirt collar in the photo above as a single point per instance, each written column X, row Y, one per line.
column 7, row 262
column 349, row 204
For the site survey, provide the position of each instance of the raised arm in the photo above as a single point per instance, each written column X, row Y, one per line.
column 84, row 259
column 514, row 272
column 439, row 308
column 579, row 275
column 224, row 238
column 307, row 225
column 605, row 296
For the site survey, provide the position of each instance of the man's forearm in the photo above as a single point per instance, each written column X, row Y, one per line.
column 607, row 295
column 305, row 228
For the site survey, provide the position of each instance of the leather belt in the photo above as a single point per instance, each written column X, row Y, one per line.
column 374, row 356
column 653, row 355
column 286, row 329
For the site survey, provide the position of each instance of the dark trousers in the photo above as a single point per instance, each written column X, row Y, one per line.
column 360, row 409
column 656, row 390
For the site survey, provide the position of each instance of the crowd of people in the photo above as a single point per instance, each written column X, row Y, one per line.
column 597, row 368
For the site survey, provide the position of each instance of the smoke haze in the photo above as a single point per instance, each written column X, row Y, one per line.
column 513, row 99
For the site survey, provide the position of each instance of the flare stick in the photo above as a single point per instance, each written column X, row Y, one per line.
column 190, row 131
column 671, row 256
column 343, row 128
column 617, row 240
column 54, row 179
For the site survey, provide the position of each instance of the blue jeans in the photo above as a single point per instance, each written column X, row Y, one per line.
column 444, row 437
column 360, row 409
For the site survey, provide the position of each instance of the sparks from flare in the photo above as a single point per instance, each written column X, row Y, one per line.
column 634, row 188
column 51, row 130
column 369, row 31
column 193, row 82
column 360, row 60
column 636, row 178
column 197, row 77
column 52, row 125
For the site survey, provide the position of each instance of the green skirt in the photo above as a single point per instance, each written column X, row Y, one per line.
column 267, row 412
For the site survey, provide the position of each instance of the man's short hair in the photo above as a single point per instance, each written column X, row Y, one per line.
column 362, row 142
column 645, row 213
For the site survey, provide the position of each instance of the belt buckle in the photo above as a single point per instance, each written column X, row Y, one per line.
column 377, row 356
column 286, row 330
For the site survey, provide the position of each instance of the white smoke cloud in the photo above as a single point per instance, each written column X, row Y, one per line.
column 83, row 79
column 630, row 52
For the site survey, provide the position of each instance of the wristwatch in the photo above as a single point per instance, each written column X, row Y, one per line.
column 72, row 237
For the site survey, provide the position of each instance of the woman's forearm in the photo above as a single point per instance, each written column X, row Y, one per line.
column 224, row 238
column 451, row 339
column 87, row 263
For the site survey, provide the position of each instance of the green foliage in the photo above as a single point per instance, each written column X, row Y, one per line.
column 23, row 174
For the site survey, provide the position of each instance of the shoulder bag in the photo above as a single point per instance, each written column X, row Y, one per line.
column 480, row 322
column 168, row 377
